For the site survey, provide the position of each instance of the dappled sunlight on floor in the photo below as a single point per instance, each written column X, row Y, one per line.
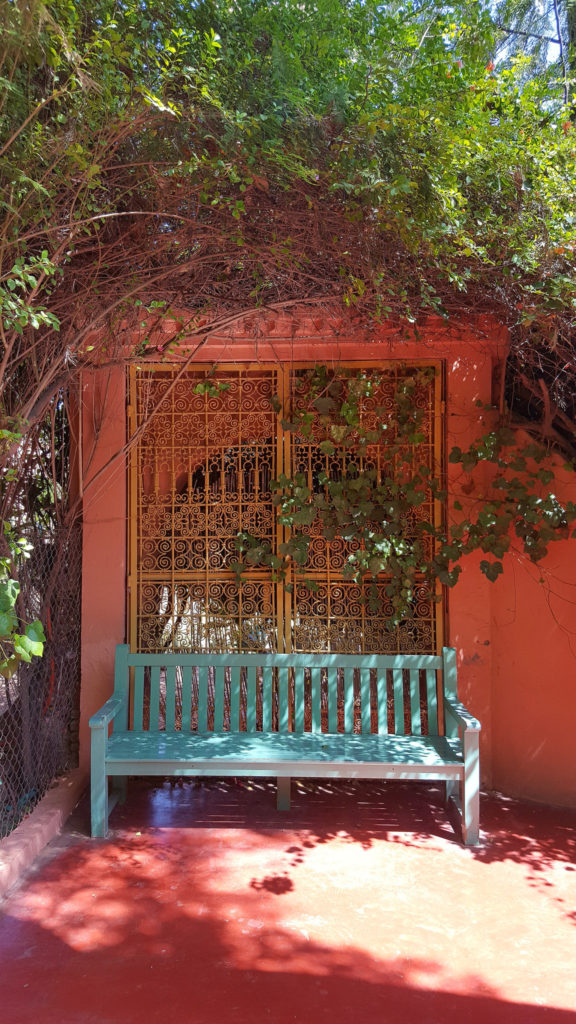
column 206, row 905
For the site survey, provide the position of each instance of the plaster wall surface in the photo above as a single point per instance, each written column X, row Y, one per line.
column 104, row 540
column 533, row 625
column 507, row 639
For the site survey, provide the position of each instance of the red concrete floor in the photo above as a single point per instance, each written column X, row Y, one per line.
column 205, row 905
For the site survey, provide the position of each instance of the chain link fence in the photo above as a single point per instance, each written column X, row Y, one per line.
column 39, row 705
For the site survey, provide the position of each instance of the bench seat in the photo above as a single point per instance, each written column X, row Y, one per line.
column 274, row 754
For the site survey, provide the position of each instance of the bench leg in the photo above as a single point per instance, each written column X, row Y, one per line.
column 471, row 789
column 283, row 794
column 120, row 787
column 99, row 785
column 451, row 789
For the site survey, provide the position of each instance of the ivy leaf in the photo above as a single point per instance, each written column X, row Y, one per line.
column 9, row 590
column 327, row 448
column 8, row 622
column 491, row 570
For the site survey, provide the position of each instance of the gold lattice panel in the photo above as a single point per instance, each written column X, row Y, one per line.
column 201, row 472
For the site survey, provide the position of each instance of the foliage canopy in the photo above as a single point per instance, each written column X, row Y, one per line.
column 194, row 161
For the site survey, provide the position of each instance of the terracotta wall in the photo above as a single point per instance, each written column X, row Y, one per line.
column 517, row 669
column 104, row 542
column 533, row 625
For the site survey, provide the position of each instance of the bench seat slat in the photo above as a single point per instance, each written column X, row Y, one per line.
column 270, row 748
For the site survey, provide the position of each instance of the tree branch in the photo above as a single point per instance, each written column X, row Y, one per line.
column 527, row 35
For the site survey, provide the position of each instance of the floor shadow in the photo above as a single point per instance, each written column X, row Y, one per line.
column 157, row 928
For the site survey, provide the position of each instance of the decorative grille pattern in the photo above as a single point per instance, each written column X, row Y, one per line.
column 208, row 448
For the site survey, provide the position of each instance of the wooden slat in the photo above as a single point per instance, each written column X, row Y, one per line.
column 219, row 698
column 269, row 659
column 138, row 708
column 170, row 714
column 450, row 677
column 250, row 752
column 283, row 702
column 203, row 699
column 299, row 699
column 365, row 700
column 432, row 695
column 187, row 698
column 267, row 698
column 415, row 702
column 398, row 701
column 348, row 699
column 251, row 699
column 235, row 688
column 155, row 697
column 316, row 699
column 333, row 699
column 382, row 697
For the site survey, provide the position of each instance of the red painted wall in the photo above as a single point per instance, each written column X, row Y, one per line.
column 533, row 625
column 104, row 540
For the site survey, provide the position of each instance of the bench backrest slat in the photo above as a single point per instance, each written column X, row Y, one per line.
column 382, row 702
column 251, row 699
column 316, row 699
column 415, row 702
column 432, row 701
column 155, row 698
column 170, row 698
column 349, row 699
column 202, row 701
column 235, row 692
column 219, row 698
column 398, row 683
column 365, row 703
column 285, row 693
column 299, row 698
column 186, row 702
column 138, row 701
column 333, row 699
column 283, row 700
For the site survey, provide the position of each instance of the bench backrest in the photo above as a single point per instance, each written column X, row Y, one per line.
column 284, row 692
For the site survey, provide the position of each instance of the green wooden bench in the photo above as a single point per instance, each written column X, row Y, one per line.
column 282, row 715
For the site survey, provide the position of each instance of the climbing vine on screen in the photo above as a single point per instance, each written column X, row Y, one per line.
column 373, row 505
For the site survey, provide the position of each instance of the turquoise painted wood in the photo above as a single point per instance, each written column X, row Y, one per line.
column 285, row 715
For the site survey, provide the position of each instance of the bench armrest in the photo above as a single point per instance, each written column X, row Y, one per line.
column 106, row 713
column 457, row 711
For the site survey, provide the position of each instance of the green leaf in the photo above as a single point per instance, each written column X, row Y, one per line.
column 8, row 623
column 35, row 632
column 9, row 590
column 492, row 570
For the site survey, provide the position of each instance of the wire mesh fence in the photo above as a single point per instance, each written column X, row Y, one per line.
column 39, row 704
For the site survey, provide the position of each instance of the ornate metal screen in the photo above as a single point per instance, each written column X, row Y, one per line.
column 208, row 448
